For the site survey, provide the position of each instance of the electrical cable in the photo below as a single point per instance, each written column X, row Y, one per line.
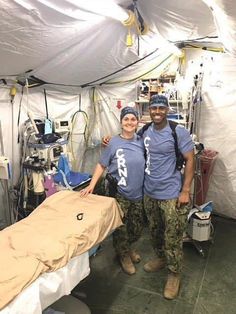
column 138, row 77
column 122, row 69
column 212, row 49
column 194, row 39
column 27, row 95
column 73, row 121
column 192, row 46
column 46, row 103
column 85, row 118
column 19, row 113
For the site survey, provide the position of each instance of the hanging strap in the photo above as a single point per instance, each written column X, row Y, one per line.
column 179, row 156
column 173, row 126
column 19, row 113
column 46, row 104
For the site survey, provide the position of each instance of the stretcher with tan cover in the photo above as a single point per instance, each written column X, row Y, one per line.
column 65, row 225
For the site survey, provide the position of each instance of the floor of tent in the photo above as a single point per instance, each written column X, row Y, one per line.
column 208, row 283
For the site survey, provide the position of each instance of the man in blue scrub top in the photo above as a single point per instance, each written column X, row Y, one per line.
column 166, row 196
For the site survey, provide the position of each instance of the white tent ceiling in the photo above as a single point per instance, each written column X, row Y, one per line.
column 61, row 42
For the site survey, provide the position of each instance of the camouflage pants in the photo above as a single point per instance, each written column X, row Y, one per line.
column 130, row 232
column 167, row 224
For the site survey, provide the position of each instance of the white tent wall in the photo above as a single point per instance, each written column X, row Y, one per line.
column 216, row 125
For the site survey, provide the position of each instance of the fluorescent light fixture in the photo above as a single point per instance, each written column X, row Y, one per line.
column 105, row 8
column 71, row 10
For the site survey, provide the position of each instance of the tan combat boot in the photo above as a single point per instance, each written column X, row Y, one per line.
column 135, row 257
column 154, row 265
column 172, row 286
column 127, row 264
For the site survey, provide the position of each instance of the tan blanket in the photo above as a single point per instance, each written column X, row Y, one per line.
column 50, row 236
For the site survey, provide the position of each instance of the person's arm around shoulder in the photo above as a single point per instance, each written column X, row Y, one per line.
column 96, row 176
column 184, row 197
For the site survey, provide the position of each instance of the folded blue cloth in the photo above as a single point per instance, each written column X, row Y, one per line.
column 65, row 176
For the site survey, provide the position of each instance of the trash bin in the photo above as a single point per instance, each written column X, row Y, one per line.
column 206, row 165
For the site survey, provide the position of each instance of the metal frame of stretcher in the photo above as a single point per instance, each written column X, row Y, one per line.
column 50, row 287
